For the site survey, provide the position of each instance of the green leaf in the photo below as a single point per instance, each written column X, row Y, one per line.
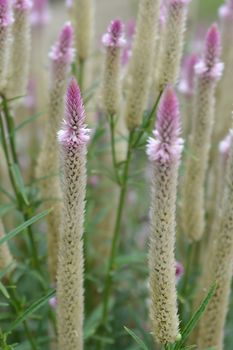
column 195, row 318
column 140, row 343
column 20, row 182
column 28, row 121
column 4, row 291
column 24, row 225
column 31, row 309
column 7, row 194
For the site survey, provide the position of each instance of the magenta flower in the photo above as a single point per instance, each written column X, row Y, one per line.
column 62, row 51
column 5, row 13
column 74, row 132
column 225, row 146
column 187, row 83
column 22, row 4
column 127, row 51
column 40, row 14
column 53, row 302
column 114, row 37
column 167, row 145
column 226, row 10
column 210, row 65
column 179, row 271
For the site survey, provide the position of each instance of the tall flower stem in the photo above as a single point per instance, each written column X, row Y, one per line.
column 20, row 201
column 116, row 236
column 113, row 148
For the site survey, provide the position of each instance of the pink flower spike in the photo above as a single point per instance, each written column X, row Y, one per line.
column 22, row 4
column 74, row 132
column 40, row 14
column 53, row 302
column 179, row 271
column 62, row 50
column 186, row 85
column 167, row 146
column 225, row 145
column 5, row 13
column 212, row 46
column 115, row 36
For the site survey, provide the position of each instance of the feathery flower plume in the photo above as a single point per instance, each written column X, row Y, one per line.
column 61, row 57
column 186, row 88
column 5, row 254
column 40, row 13
column 224, row 100
column 140, row 67
column 187, row 82
column 127, row 50
column 73, row 140
column 219, row 270
column 113, row 40
column 208, row 72
column 173, row 42
column 20, row 50
column 6, row 20
column 164, row 152
column 84, row 11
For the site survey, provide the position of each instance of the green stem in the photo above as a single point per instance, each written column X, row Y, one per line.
column 17, row 305
column 115, row 241
column 113, row 148
column 8, row 160
column 9, row 122
column 150, row 121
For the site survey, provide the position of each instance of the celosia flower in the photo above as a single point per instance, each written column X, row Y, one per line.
column 172, row 42
column 61, row 56
column 208, row 72
column 20, row 50
column 224, row 100
column 179, row 271
column 84, row 27
column 73, row 144
column 113, row 40
column 218, row 270
column 166, row 145
column 187, row 82
column 6, row 20
column 74, row 132
column 39, row 14
column 164, row 153
column 141, row 63
column 127, row 50
column 53, row 302
column 225, row 146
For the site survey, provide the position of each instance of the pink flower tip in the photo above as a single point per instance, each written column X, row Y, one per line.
column 187, row 82
column 74, row 132
column 115, row 35
column 6, row 17
column 225, row 145
column 210, row 64
column 212, row 46
column 53, row 302
column 226, row 10
column 167, row 145
column 39, row 14
column 62, row 50
column 179, row 270
column 23, row 5
column 176, row 3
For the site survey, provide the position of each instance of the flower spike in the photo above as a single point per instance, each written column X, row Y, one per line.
column 168, row 145
column 74, row 132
